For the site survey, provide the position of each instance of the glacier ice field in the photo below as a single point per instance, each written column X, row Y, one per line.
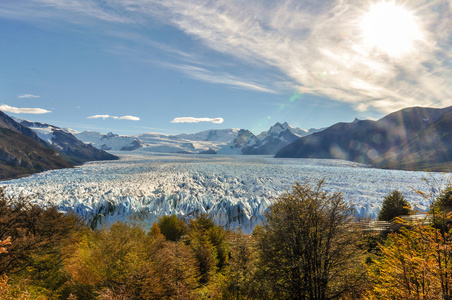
column 233, row 190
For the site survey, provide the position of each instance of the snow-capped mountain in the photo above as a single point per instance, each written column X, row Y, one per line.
column 44, row 131
column 267, row 142
column 276, row 129
column 222, row 141
column 214, row 135
column 200, row 142
column 65, row 142
column 244, row 138
column 208, row 141
column 22, row 152
column 109, row 141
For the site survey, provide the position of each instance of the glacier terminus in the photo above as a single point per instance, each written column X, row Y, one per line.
column 234, row 190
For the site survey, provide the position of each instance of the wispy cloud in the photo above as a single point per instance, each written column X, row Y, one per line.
column 28, row 96
column 319, row 47
column 315, row 45
column 23, row 110
column 221, row 78
column 130, row 118
column 197, row 120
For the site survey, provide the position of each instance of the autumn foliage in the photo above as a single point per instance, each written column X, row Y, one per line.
column 309, row 247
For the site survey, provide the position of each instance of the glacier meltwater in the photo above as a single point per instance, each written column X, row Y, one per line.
column 233, row 190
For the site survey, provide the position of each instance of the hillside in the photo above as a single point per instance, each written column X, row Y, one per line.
column 41, row 147
column 21, row 155
column 72, row 149
column 431, row 148
column 415, row 138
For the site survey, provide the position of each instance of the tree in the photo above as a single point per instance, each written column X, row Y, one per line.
column 7, row 292
column 241, row 267
column 308, row 246
column 209, row 245
column 171, row 227
column 106, row 258
column 170, row 273
column 444, row 201
column 394, row 205
column 416, row 263
column 33, row 231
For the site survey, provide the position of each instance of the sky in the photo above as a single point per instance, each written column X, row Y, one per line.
column 184, row 66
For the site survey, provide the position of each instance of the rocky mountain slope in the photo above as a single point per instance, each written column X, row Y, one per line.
column 267, row 142
column 72, row 149
column 23, row 153
column 412, row 138
column 431, row 148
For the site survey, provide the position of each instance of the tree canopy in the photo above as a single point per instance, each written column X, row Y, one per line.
column 444, row 201
column 307, row 246
column 394, row 205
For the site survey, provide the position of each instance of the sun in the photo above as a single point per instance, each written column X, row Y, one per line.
column 390, row 28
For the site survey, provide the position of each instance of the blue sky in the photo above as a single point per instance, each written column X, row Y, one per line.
column 183, row 66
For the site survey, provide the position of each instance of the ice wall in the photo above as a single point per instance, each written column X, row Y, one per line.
column 233, row 190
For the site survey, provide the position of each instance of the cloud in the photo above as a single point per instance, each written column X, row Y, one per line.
column 315, row 46
column 17, row 110
column 319, row 47
column 197, row 120
column 222, row 78
column 130, row 118
column 28, row 96
column 99, row 117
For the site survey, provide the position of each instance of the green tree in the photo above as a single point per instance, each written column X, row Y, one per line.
column 444, row 201
column 171, row 227
column 394, row 205
column 308, row 246
column 203, row 249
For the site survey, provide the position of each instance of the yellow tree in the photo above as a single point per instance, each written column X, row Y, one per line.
column 170, row 273
column 241, row 267
column 107, row 257
column 416, row 263
column 308, row 248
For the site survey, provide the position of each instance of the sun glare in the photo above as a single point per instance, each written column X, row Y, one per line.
column 390, row 28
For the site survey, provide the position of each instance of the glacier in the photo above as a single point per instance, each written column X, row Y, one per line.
column 234, row 190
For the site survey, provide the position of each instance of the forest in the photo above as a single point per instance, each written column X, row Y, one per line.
column 309, row 247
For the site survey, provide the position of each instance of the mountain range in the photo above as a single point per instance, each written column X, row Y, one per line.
column 222, row 141
column 24, row 151
column 415, row 138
